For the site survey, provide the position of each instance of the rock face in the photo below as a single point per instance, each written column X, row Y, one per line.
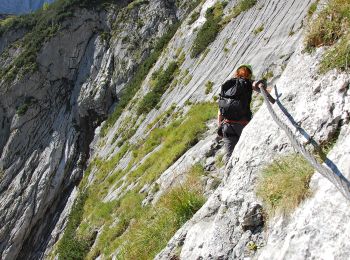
column 218, row 229
column 51, row 129
column 48, row 118
column 21, row 6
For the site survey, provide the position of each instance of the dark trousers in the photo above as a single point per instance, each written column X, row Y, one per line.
column 231, row 134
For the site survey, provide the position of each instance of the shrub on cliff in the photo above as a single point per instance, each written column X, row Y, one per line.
column 209, row 30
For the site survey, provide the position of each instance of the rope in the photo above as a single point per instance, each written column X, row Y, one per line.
column 334, row 176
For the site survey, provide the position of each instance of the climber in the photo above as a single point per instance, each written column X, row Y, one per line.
column 234, row 106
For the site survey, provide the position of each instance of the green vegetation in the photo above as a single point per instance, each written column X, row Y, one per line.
column 162, row 79
column 22, row 109
column 71, row 246
column 324, row 31
column 241, row 7
column 256, row 103
column 312, row 9
column 215, row 22
column 209, row 30
column 134, row 85
column 252, row 246
column 209, row 87
column 188, row 79
column 337, row 57
column 259, row 29
column 285, row 184
column 268, row 75
column 158, row 225
column 219, row 161
column 125, row 219
column 194, row 17
column 137, row 3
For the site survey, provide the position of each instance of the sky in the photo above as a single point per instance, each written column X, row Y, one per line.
column 20, row 6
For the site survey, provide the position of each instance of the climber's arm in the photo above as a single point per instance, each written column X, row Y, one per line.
column 257, row 85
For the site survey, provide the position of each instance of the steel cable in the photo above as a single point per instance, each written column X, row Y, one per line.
column 339, row 180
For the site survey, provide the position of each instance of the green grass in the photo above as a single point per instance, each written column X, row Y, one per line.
column 154, row 228
column 188, row 79
column 284, row 184
column 71, row 246
column 259, row 29
column 324, row 31
column 338, row 56
column 268, row 75
column 209, row 87
column 134, row 85
column 242, row 6
column 161, row 83
column 219, row 161
column 118, row 218
column 194, row 17
column 312, row 9
column 210, row 29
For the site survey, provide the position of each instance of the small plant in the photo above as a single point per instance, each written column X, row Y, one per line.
column 194, row 17
column 312, row 9
column 256, row 103
column 268, row 75
column 284, row 184
column 338, row 56
column 252, row 246
column 259, row 29
column 22, row 109
column 209, row 87
column 204, row 54
column 219, row 161
column 188, row 80
column 241, row 7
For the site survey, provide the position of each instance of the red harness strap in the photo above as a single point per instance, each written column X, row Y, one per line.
column 241, row 122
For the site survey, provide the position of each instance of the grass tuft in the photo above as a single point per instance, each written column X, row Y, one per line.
column 209, row 87
column 331, row 27
column 241, row 7
column 284, row 184
column 153, row 229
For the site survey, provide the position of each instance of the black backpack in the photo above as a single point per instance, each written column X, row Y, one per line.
column 235, row 98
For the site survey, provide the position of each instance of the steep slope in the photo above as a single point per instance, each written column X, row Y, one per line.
column 117, row 173
column 217, row 231
column 155, row 161
column 49, row 107
column 20, row 6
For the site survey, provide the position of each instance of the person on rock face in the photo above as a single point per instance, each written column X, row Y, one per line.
column 234, row 106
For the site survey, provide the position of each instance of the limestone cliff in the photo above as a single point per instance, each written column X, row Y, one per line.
column 115, row 113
